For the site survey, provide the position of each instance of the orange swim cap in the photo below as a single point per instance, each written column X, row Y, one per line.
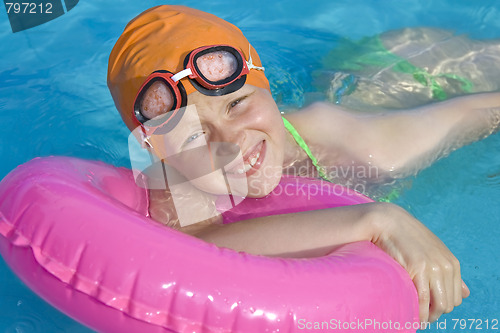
column 159, row 39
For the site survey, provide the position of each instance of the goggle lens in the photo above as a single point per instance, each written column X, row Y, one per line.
column 217, row 67
column 156, row 100
column 158, row 96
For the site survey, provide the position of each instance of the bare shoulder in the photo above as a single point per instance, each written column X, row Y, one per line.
column 343, row 136
column 324, row 123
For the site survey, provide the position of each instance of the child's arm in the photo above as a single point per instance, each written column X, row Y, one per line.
column 401, row 142
column 432, row 267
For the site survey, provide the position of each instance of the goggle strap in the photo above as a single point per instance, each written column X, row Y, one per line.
column 250, row 64
column 145, row 144
column 182, row 74
column 145, row 139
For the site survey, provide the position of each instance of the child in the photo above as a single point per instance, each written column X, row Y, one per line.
column 215, row 90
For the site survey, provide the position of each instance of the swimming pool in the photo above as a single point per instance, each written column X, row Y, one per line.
column 54, row 101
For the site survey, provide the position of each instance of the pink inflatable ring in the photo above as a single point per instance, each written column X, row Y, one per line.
column 77, row 233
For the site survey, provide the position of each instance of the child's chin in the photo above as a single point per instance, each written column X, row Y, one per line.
column 259, row 189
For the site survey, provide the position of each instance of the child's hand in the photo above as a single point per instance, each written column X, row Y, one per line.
column 432, row 267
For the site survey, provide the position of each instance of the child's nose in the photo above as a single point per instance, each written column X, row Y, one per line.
column 227, row 149
column 223, row 153
column 229, row 132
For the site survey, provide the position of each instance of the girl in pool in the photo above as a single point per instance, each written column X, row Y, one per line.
column 182, row 78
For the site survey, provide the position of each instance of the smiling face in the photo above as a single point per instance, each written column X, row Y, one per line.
column 164, row 43
column 243, row 130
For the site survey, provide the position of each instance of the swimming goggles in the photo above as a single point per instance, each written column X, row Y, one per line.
column 213, row 70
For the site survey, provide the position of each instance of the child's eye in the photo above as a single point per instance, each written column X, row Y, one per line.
column 194, row 137
column 236, row 102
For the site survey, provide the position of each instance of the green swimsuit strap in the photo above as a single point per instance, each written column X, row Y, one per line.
column 302, row 144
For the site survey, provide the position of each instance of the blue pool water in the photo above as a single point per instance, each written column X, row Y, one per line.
column 54, row 101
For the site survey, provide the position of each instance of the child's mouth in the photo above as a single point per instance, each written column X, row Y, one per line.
column 251, row 161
